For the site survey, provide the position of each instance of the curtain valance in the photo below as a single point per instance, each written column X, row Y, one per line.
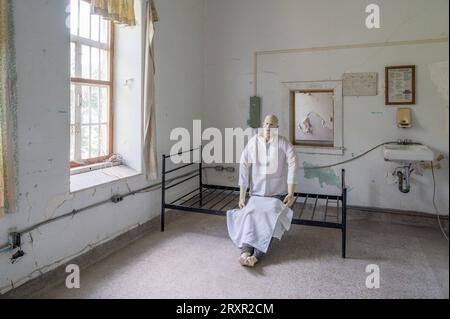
column 118, row 11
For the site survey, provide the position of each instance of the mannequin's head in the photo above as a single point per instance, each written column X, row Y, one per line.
column 270, row 122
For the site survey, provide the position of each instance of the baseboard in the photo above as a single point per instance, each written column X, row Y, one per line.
column 396, row 211
column 397, row 216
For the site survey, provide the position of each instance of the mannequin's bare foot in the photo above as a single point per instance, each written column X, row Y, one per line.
column 252, row 261
column 243, row 258
column 248, row 261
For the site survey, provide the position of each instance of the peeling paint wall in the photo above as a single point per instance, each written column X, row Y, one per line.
column 236, row 29
column 42, row 41
column 325, row 176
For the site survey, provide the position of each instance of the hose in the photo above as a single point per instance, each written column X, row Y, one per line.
column 434, row 203
column 351, row 159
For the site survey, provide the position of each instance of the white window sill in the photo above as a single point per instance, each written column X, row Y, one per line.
column 83, row 181
column 93, row 167
column 320, row 150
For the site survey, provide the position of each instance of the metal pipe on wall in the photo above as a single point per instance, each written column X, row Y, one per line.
column 114, row 199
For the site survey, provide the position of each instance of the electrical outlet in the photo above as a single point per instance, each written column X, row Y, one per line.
column 229, row 169
column 14, row 239
column 117, row 199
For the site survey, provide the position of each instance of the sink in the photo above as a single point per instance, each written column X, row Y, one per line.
column 407, row 153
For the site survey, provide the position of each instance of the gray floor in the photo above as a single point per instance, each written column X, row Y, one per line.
column 194, row 258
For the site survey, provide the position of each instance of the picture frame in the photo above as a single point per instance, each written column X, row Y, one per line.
column 400, row 82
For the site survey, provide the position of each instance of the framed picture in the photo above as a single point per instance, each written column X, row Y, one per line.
column 400, row 85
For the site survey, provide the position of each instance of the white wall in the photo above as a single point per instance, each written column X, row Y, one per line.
column 235, row 29
column 128, row 89
column 42, row 45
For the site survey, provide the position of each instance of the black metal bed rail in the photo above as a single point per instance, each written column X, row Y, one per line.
column 206, row 197
column 225, row 194
column 165, row 172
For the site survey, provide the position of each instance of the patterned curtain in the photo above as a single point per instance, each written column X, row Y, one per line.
column 119, row 11
column 8, row 110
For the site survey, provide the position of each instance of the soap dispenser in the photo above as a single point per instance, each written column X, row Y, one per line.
column 404, row 117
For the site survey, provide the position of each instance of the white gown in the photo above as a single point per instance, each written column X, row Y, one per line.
column 260, row 220
column 273, row 166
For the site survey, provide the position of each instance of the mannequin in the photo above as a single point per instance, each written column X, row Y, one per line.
column 270, row 122
column 267, row 213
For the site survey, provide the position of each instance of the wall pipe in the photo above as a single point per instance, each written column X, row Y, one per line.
column 113, row 199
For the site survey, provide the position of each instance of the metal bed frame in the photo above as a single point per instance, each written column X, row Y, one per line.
column 203, row 199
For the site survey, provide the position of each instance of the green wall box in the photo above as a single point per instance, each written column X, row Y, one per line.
column 255, row 112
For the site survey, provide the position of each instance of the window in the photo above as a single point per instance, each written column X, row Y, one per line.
column 304, row 143
column 314, row 117
column 91, row 55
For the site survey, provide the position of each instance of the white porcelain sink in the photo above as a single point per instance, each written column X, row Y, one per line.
column 407, row 153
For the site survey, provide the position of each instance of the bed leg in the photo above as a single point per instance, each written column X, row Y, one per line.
column 344, row 231
column 163, row 192
column 344, row 222
column 200, row 171
column 162, row 219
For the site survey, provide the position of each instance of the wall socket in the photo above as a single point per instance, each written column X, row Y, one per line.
column 229, row 169
column 14, row 239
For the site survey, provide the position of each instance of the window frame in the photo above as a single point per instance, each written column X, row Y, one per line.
column 110, row 48
column 286, row 87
